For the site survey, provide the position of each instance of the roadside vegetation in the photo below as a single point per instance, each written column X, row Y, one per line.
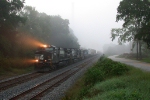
column 110, row 80
column 11, row 67
column 146, row 60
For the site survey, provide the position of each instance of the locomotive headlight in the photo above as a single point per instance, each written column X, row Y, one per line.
column 44, row 46
column 41, row 57
column 36, row 60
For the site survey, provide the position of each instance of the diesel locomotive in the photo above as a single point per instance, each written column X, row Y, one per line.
column 50, row 57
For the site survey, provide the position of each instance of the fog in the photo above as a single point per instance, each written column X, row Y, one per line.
column 113, row 49
column 91, row 20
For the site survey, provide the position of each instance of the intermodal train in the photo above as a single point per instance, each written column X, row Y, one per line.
column 48, row 57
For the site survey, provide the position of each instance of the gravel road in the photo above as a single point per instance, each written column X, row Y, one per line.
column 138, row 64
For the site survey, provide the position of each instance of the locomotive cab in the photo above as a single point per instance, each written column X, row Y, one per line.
column 46, row 57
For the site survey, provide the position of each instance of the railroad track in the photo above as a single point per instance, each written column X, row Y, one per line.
column 38, row 91
column 15, row 81
column 41, row 86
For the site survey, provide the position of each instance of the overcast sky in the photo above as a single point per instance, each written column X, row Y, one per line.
column 91, row 20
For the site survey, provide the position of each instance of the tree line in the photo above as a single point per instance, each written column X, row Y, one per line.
column 136, row 17
column 21, row 26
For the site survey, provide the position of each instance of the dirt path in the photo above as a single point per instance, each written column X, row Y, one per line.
column 142, row 65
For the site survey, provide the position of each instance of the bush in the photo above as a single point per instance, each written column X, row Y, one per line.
column 101, row 58
column 111, row 68
column 102, row 70
column 93, row 75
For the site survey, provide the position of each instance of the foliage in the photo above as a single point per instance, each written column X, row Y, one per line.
column 137, row 10
column 15, row 66
column 113, row 89
column 22, row 30
column 102, row 70
column 144, row 34
column 120, row 87
column 93, row 76
column 48, row 29
column 102, row 58
column 134, row 9
column 9, row 15
column 111, row 68
column 125, row 34
column 9, row 20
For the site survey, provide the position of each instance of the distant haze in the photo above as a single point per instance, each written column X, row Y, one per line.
column 91, row 20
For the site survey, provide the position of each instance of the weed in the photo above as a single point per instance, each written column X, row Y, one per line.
column 111, row 68
column 93, row 75
column 109, row 80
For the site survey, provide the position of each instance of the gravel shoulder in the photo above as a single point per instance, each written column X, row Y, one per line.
column 59, row 91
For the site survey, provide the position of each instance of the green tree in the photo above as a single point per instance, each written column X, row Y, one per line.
column 9, row 15
column 9, row 20
column 138, row 10
column 127, row 34
column 48, row 29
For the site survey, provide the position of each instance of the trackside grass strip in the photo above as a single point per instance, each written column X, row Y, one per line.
column 14, row 66
column 110, row 80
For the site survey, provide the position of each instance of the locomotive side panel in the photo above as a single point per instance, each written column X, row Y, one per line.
column 50, row 57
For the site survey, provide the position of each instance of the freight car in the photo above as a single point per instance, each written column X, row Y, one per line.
column 50, row 57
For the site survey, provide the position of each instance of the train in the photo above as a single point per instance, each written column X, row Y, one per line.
column 49, row 57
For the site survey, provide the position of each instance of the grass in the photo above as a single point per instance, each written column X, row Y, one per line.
column 130, row 84
column 10, row 72
column 12, row 67
column 131, row 87
column 74, row 90
column 147, row 60
column 144, row 59
column 14, row 72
